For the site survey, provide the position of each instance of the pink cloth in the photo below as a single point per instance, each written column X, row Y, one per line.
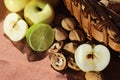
column 15, row 66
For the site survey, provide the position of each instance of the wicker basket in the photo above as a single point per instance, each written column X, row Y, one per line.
column 98, row 21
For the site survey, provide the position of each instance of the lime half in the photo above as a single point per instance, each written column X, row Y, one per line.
column 40, row 36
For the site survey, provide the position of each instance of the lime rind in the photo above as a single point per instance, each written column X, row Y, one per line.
column 40, row 36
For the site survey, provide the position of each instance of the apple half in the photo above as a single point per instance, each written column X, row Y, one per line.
column 14, row 27
column 92, row 58
column 38, row 11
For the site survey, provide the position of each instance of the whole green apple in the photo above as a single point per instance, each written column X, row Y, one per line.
column 38, row 11
column 15, row 5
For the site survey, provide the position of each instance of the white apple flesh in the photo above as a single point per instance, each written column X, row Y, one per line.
column 15, row 27
column 38, row 11
column 15, row 5
column 90, row 58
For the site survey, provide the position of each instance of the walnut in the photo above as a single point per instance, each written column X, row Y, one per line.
column 93, row 76
column 56, row 47
column 58, row 61
column 70, row 47
column 60, row 34
column 72, row 64
column 76, row 35
column 68, row 23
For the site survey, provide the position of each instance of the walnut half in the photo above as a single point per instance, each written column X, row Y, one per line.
column 76, row 35
column 58, row 61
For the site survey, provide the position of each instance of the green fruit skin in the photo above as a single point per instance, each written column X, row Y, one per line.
column 15, row 5
column 38, row 11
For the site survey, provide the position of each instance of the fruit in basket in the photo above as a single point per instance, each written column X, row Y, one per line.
column 40, row 36
column 15, row 27
column 15, row 5
column 38, row 11
column 92, row 57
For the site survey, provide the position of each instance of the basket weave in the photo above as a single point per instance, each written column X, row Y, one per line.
column 98, row 21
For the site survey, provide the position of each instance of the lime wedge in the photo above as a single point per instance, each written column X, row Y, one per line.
column 40, row 36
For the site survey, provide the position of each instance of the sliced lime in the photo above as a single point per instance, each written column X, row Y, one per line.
column 40, row 36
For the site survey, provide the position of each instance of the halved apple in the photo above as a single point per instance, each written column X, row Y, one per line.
column 14, row 27
column 92, row 58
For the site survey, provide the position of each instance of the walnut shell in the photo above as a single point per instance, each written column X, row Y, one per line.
column 72, row 64
column 70, row 47
column 60, row 34
column 76, row 35
column 68, row 23
column 56, row 47
column 58, row 61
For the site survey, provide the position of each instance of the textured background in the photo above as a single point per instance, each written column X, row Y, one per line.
column 15, row 66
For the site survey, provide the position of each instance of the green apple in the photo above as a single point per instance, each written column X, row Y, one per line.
column 38, row 11
column 14, row 27
column 92, row 58
column 15, row 5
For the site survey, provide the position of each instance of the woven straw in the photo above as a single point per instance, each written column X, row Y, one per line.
column 93, row 16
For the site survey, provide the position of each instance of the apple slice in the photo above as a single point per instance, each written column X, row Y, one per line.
column 92, row 58
column 14, row 27
column 38, row 11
